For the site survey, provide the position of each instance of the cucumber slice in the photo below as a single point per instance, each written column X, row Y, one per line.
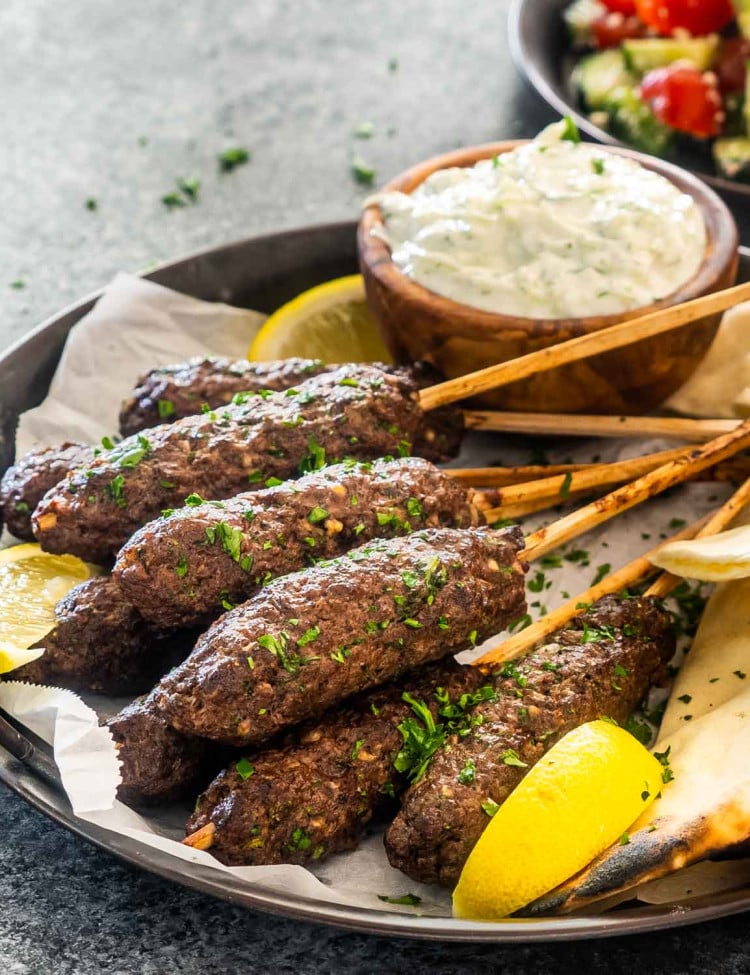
column 631, row 120
column 579, row 17
column 597, row 76
column 645, row 54
column 732, row 158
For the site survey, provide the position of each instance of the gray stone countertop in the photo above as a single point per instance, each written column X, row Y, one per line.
column 114, row 102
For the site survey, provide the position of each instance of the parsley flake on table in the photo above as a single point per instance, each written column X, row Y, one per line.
column 233, row 157
column 363, row 173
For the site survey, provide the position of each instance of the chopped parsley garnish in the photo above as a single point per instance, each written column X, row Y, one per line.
column 309, row 636
column 663, row 758
column 244, row 769
column 570, row 131
column 414, row 508
column 279, row 647
column 510, row 757
column 115, row 487
column 363, row 173
column 411, row 900
column 357, row 748
column 490, row 807
column 273, row 481
column 317, row 515
column 165, row 408
column 364, row 130
column 300, row 840
column 314, row 459
column 193, row 500
column 565, row 486
column 468, row 773
column 18, row 284
column 230, row 159
column 21, row 507
column 598, row 166
column 132, row 456
column 601, row 572
column 624, row 839
column 537, row 583
column 181, row 568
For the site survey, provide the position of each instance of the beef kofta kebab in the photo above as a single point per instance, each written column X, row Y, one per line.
column 314, row 794
column 232, row 684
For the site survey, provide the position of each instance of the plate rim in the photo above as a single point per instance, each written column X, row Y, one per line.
column 52, row 804
column 530, row 70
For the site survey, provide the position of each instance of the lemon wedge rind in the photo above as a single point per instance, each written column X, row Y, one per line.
column 577, row 801
column 331, row 322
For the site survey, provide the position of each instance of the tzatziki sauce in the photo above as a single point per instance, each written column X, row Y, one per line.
column 553, row 229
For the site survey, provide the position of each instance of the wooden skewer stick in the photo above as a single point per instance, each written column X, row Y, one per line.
column 640, row 568
column 637, row 570
column 735, row 470
column 723, row 517
column 625, row 333
column 576, row 425
column 559, row 487
column 646, row 486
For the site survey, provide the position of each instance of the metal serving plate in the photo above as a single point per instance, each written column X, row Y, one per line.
column 261, row 273
column 540, row 47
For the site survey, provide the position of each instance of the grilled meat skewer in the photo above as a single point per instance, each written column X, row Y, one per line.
column 169, row 393
column 314, row 794
column 356, row 411
column 101, row 644
column 602, row 664
column 25, row 483
column 315, row 638
column 183, row 568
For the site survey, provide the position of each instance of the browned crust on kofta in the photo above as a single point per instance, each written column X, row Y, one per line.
column 185, row 567
column 157, row 764
column 315, row 794
column 601, row 664
column 314, row 638
column 168, row 393
column 356, row 411
column 25, row 483
column 101, row 644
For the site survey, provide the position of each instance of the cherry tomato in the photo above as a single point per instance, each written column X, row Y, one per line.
column 731, row 67
column 612, row 29
column 696, row 16
column 625, row 7
column 686, row 100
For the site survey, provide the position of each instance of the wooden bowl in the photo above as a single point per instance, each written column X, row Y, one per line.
column 419, row 324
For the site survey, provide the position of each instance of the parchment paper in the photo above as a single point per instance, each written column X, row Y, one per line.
column 137, row 325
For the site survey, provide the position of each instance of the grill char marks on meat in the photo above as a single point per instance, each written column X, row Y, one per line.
column 312, row 639
column 602, row 664
column 24, row 484
column 102, row 645
column 356, row 411
column 315, row 794
column 156, row 763
column 169, row 393
column 181, row 569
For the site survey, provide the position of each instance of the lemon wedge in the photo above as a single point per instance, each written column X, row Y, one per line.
column 31, row 582
column 715, row 558
column 575, row 802
column 331, row 322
